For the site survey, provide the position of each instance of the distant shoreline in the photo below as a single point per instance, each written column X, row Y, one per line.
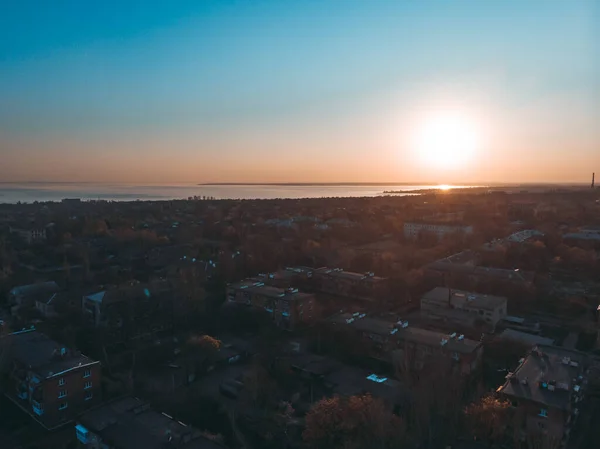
column 416, row 184
column 319, row 184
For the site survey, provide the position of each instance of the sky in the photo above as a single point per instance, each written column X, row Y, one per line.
column 299, row 91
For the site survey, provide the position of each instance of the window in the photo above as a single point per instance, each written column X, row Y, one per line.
column 63, row 405
column 88, row 395
column 544, row 413
column 87, row 373
column 61, row 381
column 87, row 385
column 62, row 393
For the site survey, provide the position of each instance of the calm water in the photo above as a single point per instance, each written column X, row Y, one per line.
column 29, row 192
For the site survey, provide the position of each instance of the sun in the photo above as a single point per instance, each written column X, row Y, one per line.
column 446, row 141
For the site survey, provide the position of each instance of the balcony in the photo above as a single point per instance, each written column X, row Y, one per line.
column 82, row 433
column 38, row 408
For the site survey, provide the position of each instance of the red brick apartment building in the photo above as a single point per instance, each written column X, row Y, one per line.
column 52, row 383
column 547, row 389
column 288, row 307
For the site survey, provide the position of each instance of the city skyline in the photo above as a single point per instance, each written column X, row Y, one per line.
column 264, row 91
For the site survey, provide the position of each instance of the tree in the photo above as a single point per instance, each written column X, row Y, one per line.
column 355, row 422
column 488, row 419
column 260, row 389
column 201, row 351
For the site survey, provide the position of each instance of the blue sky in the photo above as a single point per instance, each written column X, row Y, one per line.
column 216, row 85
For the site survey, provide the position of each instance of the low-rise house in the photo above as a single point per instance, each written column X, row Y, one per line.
column 444, row 302
column 288, row 307
column 413, row 229
column 547, row 389
column 131, row 423
column 131, row 313
column 28, row 295
column 52, row 383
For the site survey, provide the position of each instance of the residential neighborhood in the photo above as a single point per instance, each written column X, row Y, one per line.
column 201, row 324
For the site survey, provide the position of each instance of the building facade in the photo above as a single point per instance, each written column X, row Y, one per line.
column 288, row 307
column 444, row 302
column 52, row 383
column 408, row 347
column 546, row 390
column 30, row 235
column 336, row 281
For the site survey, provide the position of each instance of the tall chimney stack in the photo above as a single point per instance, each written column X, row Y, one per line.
column 593, row 179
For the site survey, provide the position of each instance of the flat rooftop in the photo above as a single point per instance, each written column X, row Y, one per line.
column 524, row 337
column 551, row 366
column 410, row 333
column 350, row 275
column 43, row 355
column 130, row 422
column 259, row 288
column 459, row 298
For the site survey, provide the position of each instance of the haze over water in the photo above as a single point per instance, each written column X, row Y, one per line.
column 30, row 192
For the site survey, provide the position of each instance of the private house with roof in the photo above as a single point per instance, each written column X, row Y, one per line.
column 409, row 347
column 288, row 307
column 26, row 295
column 131, row 313
column 460, row 307
column 547, row 389
column 131, row 423
column 50, row 382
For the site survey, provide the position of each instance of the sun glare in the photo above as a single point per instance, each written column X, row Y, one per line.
column 446, row 141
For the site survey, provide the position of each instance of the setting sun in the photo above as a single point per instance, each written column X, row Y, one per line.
column 446, row 140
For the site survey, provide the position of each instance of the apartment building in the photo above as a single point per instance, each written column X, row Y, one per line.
column 52, row 383
column 288, row 307
column 336, row 281
column 29, row 234
column 131, row 313
column 547, row 389
column 409, row 347
column 413, row 229
column 331, row 281
column 460, row 306
column 130, row 423
column 443, row 272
